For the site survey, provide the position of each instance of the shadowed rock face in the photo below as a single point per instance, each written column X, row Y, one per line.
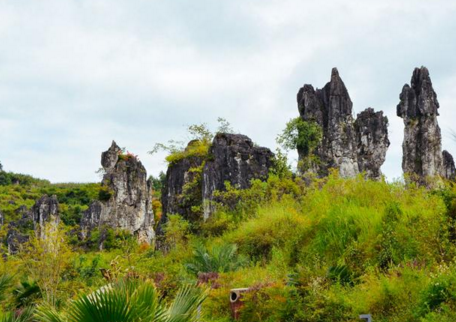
column 178, row 175
column 422, row 138
column 44, row 211
column 129, row 206
column 449, row 170
column 344, row 146
column 235, row 159
column 422, row 147
column 372, row 141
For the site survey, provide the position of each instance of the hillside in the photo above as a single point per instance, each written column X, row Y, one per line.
column 327, row 250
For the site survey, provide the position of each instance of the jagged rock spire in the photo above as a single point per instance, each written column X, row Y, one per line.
column 346, row 148
column 372, row 141
column 422, row 146
column 128, row 203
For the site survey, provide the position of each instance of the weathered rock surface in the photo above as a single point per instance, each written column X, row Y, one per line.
column 422, row 146
column 128, row 207
column 235, row 159
column 178, row 175
column 44, row 211
column 344, row 146
column 1, row 218
column 449, row 170
column 372, row 142
column 422, row 138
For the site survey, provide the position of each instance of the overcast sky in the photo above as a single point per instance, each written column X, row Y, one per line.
column 75, row 75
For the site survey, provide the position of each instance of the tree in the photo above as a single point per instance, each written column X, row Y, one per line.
column 128, row 301
column 302, row 135
column 1, row 166
column 45, row 260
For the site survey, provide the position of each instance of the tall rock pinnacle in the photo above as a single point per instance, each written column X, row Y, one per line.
column 127, row 204
column 422, row 146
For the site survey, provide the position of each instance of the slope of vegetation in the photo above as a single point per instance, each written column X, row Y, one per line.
column 308, row 250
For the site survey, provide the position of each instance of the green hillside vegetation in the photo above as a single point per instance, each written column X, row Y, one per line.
column 307, row 249
column 327, row 250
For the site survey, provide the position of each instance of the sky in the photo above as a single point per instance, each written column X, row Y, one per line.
column 76, row 74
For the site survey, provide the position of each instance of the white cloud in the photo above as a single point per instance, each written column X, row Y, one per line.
column 76, row 74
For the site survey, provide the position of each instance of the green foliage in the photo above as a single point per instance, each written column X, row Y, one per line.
column 26, row 315
column 128, row 301
column 200, row 137
column 5, row 283
column 217, row 259
column 302, row 135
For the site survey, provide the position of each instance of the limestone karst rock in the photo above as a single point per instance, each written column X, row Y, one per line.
column 448, row 169
column 344, row 146
column 127, row 204
column 235, row 159
column 422, row 146
column 372, row 142
column 191, row 181
column 181, row 174
column 44, row 211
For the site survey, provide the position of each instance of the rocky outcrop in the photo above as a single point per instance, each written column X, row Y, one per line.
column 448, row 169
column 1, row 218
column 372, row 142
column 126, row 204
column 422, row 146
column 345, row 146
column 191, row 181
column 44, row 211
column 234, row 159
column 182, row 173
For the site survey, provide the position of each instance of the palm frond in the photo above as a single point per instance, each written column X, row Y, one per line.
column 185, row 305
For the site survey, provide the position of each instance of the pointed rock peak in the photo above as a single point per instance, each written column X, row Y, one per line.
column 336, row 85
column 114, row 146
column 421, row 78
column 109, row 158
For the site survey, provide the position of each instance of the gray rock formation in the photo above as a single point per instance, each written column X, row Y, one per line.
column 449, row 170
column 128, row 201
column 179, row 175
column 235, row 159
column 343, row 147
column 1, row 218
column 372, row 142
column 422, row 148
column 44, row 211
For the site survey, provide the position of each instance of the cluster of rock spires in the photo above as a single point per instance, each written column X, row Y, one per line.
column 360, row 146
column 128, row 205
column 351, row 146
column 233, row 158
